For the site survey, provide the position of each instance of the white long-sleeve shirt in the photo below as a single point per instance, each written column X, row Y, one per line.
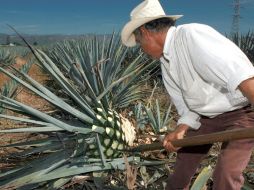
column 201, row 71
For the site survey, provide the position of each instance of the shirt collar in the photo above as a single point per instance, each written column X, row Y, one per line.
column 168, row 40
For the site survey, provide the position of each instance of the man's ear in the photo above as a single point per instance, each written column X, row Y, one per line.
column 144, row 32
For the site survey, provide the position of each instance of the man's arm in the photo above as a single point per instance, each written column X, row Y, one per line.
column 187, row 120
column 186, row 116
column 247, row 88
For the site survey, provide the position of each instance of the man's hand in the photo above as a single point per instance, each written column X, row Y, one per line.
column 177, row 134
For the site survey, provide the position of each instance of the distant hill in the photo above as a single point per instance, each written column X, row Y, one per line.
column 38, row 39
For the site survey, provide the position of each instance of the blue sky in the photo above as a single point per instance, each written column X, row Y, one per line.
column 104, row 16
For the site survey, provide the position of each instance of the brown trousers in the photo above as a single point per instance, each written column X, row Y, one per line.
column 234, row 155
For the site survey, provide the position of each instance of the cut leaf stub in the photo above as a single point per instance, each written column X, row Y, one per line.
column 119, row 133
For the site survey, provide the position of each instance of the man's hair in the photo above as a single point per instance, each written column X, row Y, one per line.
column 156, row 25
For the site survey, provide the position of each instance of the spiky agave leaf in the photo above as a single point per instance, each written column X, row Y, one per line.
column 95, row 129
column 246, row 43
column 202, row 178
column 154, row 115
column 106, row 77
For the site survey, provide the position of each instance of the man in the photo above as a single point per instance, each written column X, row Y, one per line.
column 211, row 83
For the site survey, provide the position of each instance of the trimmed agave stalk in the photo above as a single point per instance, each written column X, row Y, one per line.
column 119, row 133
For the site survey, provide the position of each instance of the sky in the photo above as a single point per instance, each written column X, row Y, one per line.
column 105, row 16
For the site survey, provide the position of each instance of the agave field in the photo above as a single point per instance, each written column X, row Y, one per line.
column 101, row 98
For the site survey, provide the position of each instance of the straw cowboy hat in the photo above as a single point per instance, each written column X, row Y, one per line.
column 147, row 11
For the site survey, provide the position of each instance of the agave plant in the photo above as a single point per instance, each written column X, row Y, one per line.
column 153, row 114
column 94, row 82
column 10, row 87
column 157, row 119
column 245, row 43
column 6, row 58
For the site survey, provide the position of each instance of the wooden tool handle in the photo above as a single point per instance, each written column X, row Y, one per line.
column 224, row 136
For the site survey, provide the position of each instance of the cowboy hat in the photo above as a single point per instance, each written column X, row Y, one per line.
column 145, row 12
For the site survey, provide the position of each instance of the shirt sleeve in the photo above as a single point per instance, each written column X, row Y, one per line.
column 217, row 59
column 186, row 116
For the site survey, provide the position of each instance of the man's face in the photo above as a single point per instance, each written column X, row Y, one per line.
column 148, row 42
